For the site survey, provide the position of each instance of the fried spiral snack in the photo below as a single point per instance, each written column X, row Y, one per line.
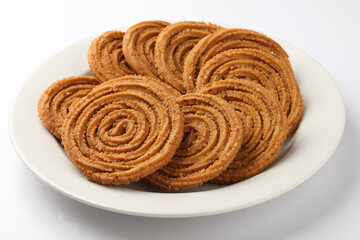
column 209, row 104
column 173, row 45
column 226, row 39
column 123, row 130
column 105, row 57
column 58, row 99
column 265, row 126
column 280, row 77
column 139, row 45
column 212, row 138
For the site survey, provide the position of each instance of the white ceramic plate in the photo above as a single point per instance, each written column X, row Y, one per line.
column 302, row 155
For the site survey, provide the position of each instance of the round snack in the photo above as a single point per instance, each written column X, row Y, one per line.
column 265, row 126
column 212, row 137
column 280, row 77
column 226, row 39
column 172, row 47
column 123, row 130
column 57, row 100
column 139, row 44
column 106, row 58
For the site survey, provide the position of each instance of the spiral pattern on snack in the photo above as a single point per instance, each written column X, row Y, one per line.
column 123, row 130
column 106, row 58
column 139, row 45
column 58, row 99
column 173, row 45
column 212, row 138
column 280, row 78
column 264, row 123
column 226, row 39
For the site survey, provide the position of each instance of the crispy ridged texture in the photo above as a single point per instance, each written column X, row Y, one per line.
column 172, row 47
column 139, row 45
column 226, row 39
column 57, row 100
column 123, row 130
column 212, row 138
column 105, row 57
column 280, row 78
column 265, row 126
column 210, row 104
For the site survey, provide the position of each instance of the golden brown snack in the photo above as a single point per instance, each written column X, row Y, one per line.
column 172, row 47
column 226, row 39
column 139, row 45
column 57, row 100
column 212, row 137
column 210, row 105
column 265, row 126
column 123, row 130
column 106, row 58
column 280, row 77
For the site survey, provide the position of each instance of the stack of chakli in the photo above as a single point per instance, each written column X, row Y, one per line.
column 176, row 104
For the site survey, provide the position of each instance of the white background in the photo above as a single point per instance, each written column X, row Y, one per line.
column 327, row 206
